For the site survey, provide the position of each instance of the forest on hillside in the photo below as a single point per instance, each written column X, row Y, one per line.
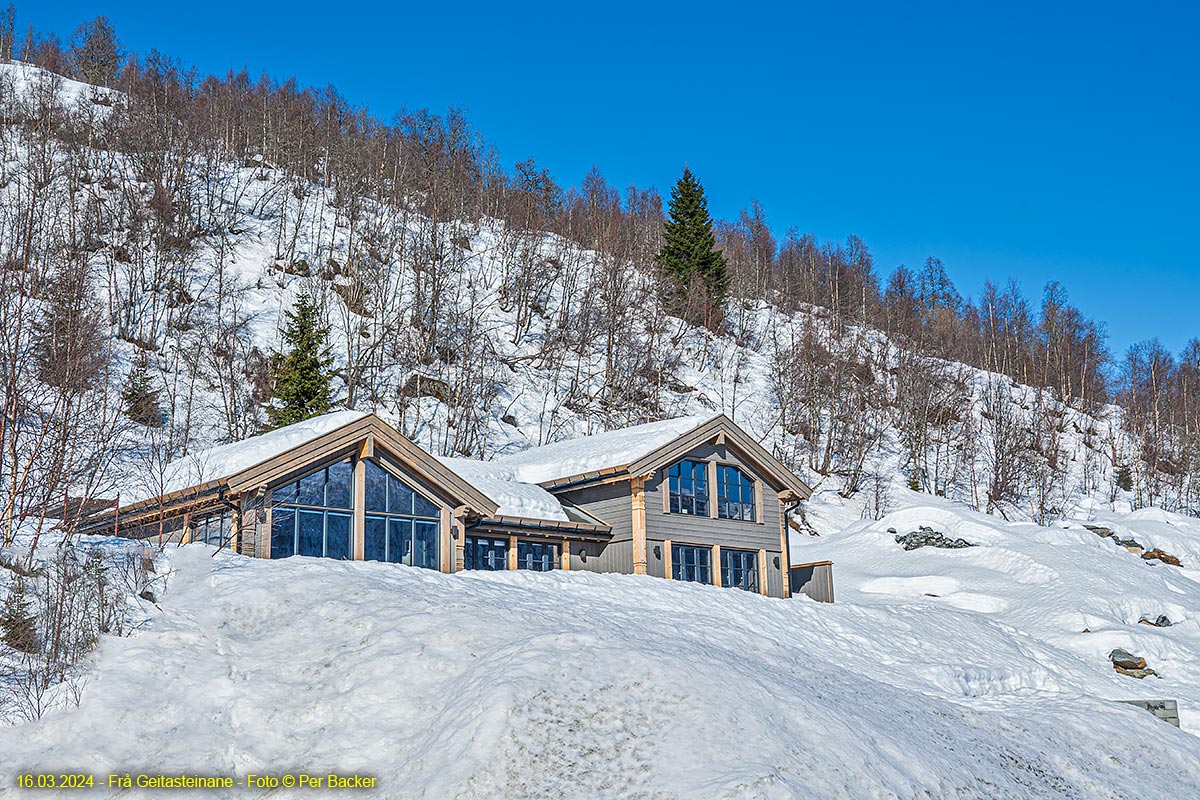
column 128, row 311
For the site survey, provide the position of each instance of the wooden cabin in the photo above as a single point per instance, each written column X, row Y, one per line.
column 686, row 499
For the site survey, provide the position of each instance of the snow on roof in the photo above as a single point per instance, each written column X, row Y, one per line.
column 599, row 451
column 514, row 498
column 228, row 459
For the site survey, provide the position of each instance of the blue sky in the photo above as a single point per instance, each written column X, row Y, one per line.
column 1047, row 141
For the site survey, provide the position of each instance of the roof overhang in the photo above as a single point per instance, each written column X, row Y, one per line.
column 360, row 436
column 721, row 430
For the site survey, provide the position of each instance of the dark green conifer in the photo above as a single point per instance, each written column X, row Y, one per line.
column 18, row 628
column 689, row 256
column 303, row 375
column 141, row 398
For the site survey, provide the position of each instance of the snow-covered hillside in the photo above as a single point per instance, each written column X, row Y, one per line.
column 581, row 685
column 980, row 672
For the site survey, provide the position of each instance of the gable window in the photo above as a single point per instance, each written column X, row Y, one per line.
column 312, row 516
column 735, row 494
column 688, row 485
column 401, row 525
column 691, row 563
column 739, row 569
column 537, row 556
column 480, row 552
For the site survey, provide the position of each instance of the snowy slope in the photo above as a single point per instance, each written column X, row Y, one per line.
column 579, row 685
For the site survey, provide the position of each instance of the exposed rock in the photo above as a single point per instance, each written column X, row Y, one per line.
column 146, row 594
column 1123, row 659
column 1163, row 621
column 1166, row 558
column 1131, row 545
column 419, row 385
column 928, row 537
column 1136, row 673
column 509, row 419
column 1100, row 531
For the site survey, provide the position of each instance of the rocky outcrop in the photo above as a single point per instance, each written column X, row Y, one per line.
column 1159, row 555
column 928, row 537
column 1127, row 663
column 1161, row 621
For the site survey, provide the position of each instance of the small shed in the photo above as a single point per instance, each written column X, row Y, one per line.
column 814, row 579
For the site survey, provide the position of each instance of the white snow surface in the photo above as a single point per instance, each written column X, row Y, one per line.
column 938, row 673
column 599, row 451
column 514, row 498
column 227, row 459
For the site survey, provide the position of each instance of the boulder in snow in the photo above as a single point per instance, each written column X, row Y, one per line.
column 1161, row 621
column 928, row 537
column 1159, row 555
column 1100, row 530
column 1127, row 663
column 1131, row 545
column 1126, row 660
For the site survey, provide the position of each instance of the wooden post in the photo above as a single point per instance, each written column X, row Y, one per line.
column 512, row 552
column 445, row 541
column 235, row 525
column 716, row 564
column 564, row 554
column 639, row 525
column 785, row 559
column 668, row 564
column 187, row 529
column 262, row 548
column 359, row 551
column 758, row 501
column 460, row 539
column 711, row 468
column 762, row 572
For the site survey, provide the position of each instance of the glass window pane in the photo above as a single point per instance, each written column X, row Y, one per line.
column 338, row 492
column 376, row 487
column 400, row 497
column 423, row 507
column 375, row 539
column 286, row 494
column 283, row 533
column 537, row 556
column 425, row 545
column 311, row 534
column 312, row 489
column 486, row 554
column 337, row 535
column 399, row 541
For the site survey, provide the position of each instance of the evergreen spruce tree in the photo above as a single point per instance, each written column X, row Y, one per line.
column 18, row 629
column 303, row 375
column 141, row 398
column 689, row 255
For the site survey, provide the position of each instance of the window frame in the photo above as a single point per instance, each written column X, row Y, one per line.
column 747, row 566
column 678, row 563
column 700, row 497
column 746, row 482
column 470, row 556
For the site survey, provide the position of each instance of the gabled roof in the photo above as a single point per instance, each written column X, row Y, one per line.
column 513, row 498
column 641, row 450
column 212, row 465
column 550, row 463
column 263, row 459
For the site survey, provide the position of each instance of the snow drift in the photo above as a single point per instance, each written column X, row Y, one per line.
column 580, row 685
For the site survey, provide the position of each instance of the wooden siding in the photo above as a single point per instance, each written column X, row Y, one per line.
column 657, row 557
column 610, row 502
column 613, row 557
column 814, row 580
column 775, row 574
column 763, row 534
